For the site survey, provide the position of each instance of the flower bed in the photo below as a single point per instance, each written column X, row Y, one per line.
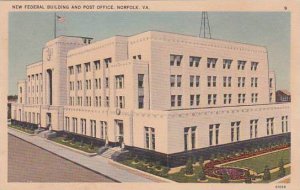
column 211, row 169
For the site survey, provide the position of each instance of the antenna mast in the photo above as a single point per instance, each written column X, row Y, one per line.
column 204, row 27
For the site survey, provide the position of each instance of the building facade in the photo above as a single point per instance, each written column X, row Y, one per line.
column 155, row 91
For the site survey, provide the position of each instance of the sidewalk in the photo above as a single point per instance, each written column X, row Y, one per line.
column 95, row 163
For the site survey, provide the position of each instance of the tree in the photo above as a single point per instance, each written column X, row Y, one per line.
column 267, row 174
column 201, row 160
column 248, row 177
column 225, row 178
column 201, row 173
column 189, row 170
column 281, row 172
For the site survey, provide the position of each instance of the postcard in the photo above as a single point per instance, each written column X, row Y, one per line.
column 149, row 94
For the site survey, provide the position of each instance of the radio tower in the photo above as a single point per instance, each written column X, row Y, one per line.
column 204, row 27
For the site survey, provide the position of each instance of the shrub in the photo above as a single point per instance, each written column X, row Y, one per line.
column 81, row 143
column 225, row 178
column 91, row 146
column 281, row 172
column 248, row 177
column 212, row 157
column 136, row 159
column 201, row 160
column 201, row 173
column 189, row 170
column 267, row 174
column 194, row 159
column 158, row 165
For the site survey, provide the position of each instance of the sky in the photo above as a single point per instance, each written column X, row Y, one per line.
column 29, row 32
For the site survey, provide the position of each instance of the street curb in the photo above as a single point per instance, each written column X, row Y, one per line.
column 143, row 172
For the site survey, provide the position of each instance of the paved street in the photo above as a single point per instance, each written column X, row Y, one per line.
column 29, row 163
column 97, row 163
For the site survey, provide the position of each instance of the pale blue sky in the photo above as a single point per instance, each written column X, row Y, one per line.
column 28, row 33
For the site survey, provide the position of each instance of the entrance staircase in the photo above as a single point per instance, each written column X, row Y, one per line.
column 46, row 134
column 112, row 152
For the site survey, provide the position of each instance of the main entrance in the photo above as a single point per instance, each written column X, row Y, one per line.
column 48, row 121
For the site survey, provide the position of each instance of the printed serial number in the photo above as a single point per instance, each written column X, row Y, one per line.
column 280, row 186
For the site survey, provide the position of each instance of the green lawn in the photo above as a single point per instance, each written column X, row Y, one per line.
column 258, row 163
column 77, row 145
column 29, row 131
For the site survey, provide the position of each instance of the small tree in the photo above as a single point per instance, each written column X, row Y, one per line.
column 281, row 172
column 248, row 177
column 201, row 173
column 189, row 170
column 225, row 178
column 267, row 174
column 201, row 160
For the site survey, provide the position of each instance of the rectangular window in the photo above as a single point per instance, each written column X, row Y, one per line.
column 107, row 61
column 175, row 60
column 107, row 101
column 178, row 80
column 197, row 81
column 227, row 63
column 179, row 100
column 254, row 66
column 141, row 102
column 106, row 82
column 198, row 99
column 193, row 137
column 192, row 100
column 140, row 80
column 87, row 67
column 209, row 81
column 194, row 61
column 119, row 79
column 191, row 80
column 214, row 81
column 173, row 100
column 211, row 62
column 172, row 80
column 97, row 64
column 211, row 127
column 241, row 65
column 186, row 133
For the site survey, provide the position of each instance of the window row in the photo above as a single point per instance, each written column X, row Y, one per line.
column 176, row 100
column 120, row 102
column 194, row 61
column 87, row 66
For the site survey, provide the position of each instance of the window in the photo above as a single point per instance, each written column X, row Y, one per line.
column 198, row 99
column 87, row 67
column 241, row 65
column 211, row 62
column 149, row 134
column 141, row 102
column 97, row 64
column 192, row 99
column 227, row 63
column 119, row 81
column 270, row 126
column 140, row 80
column 214, row 81
column 192, row 80
column 270, row 98
column 241, row 81
column 270, row 83
column 173, row 100
column 189, row 136
column 179, row 80
column 253, row 128
column 139, row 57
column 93, row 128
column 194, row 61
column 71, row 70
column 254, row 97
column 197, row 81
column 107, row 101
column 254, row 66
column 74, row 121
column 172, row 80
column 224, row 81
column 106, row 82
column 78, row 68
column 212, row 99
column 214, row 129
column 241, row 98
column 83, row 126
column 235, row 131
column 211, row 81
column 107, row 61
column 179, row 100
column 175, row 60
column 120, row 101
